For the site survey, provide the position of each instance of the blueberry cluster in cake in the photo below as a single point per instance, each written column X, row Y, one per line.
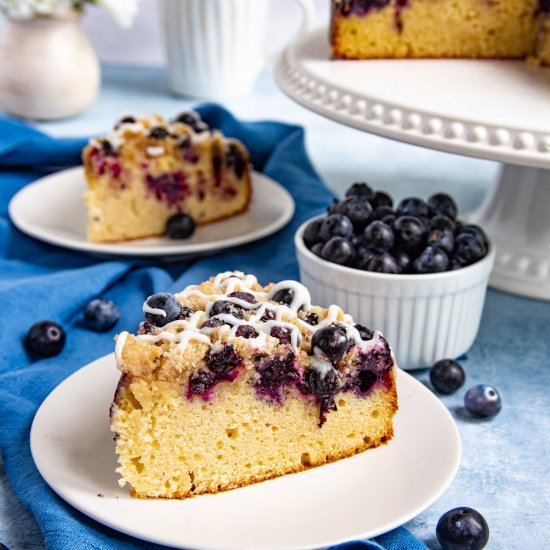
column 231, row 324
column 366, row 231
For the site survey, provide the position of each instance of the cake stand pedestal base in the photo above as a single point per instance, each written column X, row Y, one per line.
column 516, row 215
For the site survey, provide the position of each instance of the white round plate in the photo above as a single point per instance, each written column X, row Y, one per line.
column 492, row 109
column 52, row 210
column 358, row 497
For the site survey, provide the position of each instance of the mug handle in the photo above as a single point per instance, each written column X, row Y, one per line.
column 308, row 14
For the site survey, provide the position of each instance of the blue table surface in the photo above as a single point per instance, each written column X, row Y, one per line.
column 504, row 472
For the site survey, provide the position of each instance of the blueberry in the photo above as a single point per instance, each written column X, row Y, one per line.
column 462, row 529
column 193, row 119
column 284, row 296
column 336, row 225
column 323, row 386
column 107, row 147
column 235, row 159
column 312, row 233
column 360, row 189
column 475, row 230
column 180, row 226
column 412, row 206
column 363, row 256
column 442, row 204
column 444, row 223
column 185, row 313
column 277, row 371
column 45, row 338
column 168, row 307
column 269, row 315
column 483, row 400
column 432, row 260
column 383, row 263
column 338, row 250
column 447, row 376
column 331, row 342
column 213, row 323
column 283, row 334
column 389, row 219
column 226, row 307
column 403, row 259
column 125, row 120
column 158, row 132
column 379, row 235
column 364, row 332
column 244, row 296
column 358, row 240
column 469, row 247
column 410, row 234
column 443, row 239
column 200, row 382
column 223, row 360
column 382, row 211
column 317, row 249
column 311, row 318
column 456, row 262
column 381, row 199
column 246, row 331
column 357, row 210
column 101, row 315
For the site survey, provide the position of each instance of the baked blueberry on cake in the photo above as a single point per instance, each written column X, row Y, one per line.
column 363, row 29
column 229, row 383
column 148, row 170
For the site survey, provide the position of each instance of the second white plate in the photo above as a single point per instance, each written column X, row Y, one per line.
column 355, row 498
column 52, row 209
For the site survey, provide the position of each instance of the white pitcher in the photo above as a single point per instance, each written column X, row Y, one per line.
column 215, row 47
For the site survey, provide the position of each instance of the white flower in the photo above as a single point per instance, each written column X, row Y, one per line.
column 27, row 9
column 122, row 11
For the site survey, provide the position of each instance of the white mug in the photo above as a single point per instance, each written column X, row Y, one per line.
column 215, row 47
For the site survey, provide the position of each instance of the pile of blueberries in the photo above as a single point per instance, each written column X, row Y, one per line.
column 366, row 232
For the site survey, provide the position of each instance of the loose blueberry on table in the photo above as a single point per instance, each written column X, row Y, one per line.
column 462, row 529
column 483, row 401
column 447, row 376
column 101, row 315
column 45, row 339
column 366, row 232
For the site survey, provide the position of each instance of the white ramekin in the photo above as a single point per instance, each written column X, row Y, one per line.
column 424, row 317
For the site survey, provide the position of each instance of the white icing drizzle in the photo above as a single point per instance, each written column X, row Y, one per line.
column 183, row 331
column 322, row 366
column 155, row 151
column 120, row 341
column 153, row 310
column 301, row 298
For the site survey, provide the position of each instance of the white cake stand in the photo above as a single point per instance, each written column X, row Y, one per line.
column 496, row 110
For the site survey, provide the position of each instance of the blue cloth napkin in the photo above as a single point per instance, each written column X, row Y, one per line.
column 40, row 281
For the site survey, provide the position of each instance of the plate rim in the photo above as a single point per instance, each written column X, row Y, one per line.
column 388, row 526
column 119, row 250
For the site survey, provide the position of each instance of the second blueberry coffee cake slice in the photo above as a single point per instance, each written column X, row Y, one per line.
column 229, row 383
column 149, row 169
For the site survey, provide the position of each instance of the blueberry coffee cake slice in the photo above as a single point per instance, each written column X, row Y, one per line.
column 148, row 170
column 229, row 383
